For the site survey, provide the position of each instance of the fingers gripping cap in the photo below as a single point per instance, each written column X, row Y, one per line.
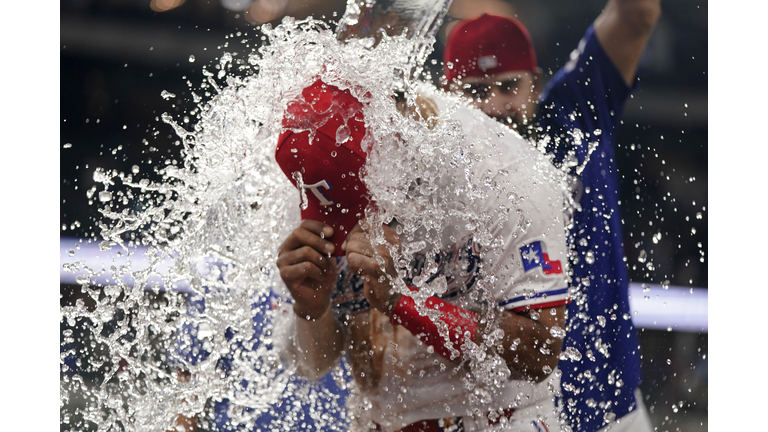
column 488, row 45
column 320, row 152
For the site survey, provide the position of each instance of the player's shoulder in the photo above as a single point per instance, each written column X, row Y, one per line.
column 587, row 61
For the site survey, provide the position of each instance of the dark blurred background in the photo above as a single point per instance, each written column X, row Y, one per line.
column 118, row 56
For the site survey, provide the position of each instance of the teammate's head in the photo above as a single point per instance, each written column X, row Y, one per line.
column 491, row 60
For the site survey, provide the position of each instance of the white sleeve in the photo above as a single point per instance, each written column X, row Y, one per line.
column 526, row 253
column 529, row 260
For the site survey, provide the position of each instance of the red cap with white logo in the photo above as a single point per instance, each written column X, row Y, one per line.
column 488, row 45
column 320, row 151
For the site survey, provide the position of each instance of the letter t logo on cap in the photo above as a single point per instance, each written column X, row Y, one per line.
column 315, row 188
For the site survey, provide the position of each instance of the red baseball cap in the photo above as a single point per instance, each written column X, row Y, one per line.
column 488, row 45
column 321, row 149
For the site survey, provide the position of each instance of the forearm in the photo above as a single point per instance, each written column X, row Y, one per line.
column 319, row 343
column 458, row 324
column 623, row 30
column 528, row 346
column 183, row 422
column 637, row 15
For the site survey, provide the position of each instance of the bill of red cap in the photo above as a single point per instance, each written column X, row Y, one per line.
column 488, row 45
column 322, row 147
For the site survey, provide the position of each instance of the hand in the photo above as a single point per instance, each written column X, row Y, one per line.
column 425, row 109
column 307, row 268
column 360, row 254
column 184, row 424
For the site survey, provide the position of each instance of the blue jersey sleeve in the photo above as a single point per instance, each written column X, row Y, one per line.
column 588, row 95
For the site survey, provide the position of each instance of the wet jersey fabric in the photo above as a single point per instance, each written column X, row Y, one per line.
column 588, row 95
column 528, row 265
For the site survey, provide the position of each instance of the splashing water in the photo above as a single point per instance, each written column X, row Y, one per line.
column 196, row 325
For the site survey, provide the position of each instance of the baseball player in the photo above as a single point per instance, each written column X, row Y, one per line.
column 409, row 376
column 491, row 60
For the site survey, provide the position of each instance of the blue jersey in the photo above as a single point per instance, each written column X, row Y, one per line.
column 301, row 400
column 598, row 382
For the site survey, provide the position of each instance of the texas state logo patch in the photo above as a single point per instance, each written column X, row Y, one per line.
column 535, row 255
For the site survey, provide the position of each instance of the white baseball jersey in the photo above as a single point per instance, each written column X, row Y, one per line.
column 526, row 269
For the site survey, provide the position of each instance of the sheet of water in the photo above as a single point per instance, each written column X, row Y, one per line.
column 220, row 215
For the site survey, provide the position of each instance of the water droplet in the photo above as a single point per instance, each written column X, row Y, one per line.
column 643, row 256
column 204, row 330
column 105, row 196
column 99, row 176
column 297, row 177
column 343, row 134
column 191, row 59
column 167, row 95
column 557, row 332
column 225, row 59
column 589, row 257
column 67, row 145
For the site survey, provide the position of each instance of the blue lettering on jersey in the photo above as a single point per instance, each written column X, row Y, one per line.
column 459, row 264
